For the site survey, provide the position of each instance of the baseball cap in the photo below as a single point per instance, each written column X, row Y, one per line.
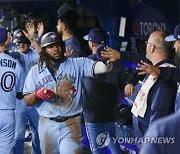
column 96, row 36
column 98, row 52
column 18, row 36
column 3, row 35
column 175, row 36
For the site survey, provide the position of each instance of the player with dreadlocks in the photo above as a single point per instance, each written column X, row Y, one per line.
column 56, row 90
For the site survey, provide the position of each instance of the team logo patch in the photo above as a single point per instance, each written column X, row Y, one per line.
column 103, row 140
column 19, row 34
column 66, row 91
column 53, row 36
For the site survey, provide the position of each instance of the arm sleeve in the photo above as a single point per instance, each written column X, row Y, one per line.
column 134, row 78
column 21, row 79
column 29, row 84
column 100, row 68
column 170, row 73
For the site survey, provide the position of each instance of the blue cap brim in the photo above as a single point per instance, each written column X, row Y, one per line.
column 86, row 37
column 170, row 38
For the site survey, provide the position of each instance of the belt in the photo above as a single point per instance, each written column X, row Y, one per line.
column 62, row 119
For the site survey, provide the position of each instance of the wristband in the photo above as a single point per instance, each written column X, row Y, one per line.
column 32, row 39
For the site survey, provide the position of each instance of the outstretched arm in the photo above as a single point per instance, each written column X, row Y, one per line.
column 100, row 67
column 168, row 73
column 146, row 68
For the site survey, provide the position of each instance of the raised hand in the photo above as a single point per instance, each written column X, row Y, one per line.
column 110, row 53
column 40, row 29
column 30, row 31
column 146, row 68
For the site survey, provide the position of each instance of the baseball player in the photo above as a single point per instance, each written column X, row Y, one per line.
column 11, row 78
column 54, row 86
column 100, row 99
column 66, row 27
column 27, row 59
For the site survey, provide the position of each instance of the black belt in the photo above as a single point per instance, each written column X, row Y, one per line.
column 62, row 119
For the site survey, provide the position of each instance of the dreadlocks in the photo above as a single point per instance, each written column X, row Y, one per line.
column 43, row 58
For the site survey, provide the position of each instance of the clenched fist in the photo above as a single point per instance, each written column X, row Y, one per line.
column 44, row 93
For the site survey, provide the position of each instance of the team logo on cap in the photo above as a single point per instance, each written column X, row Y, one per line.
column 19, row 34
column 53, row 36
column 178, row 36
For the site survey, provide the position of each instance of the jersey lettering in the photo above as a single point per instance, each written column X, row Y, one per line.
column 7, row 63
column 45, row 81
column 8, row 81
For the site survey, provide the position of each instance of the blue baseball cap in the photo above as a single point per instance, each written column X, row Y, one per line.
column 175, row 36
column 3, row 35
column 98, row 53
column 96, row 36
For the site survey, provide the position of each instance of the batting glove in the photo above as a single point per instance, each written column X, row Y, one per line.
column 44, row 93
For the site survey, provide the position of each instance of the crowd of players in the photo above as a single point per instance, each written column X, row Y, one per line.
column 46, row 79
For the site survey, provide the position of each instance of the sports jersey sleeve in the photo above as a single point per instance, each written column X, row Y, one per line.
column 100, row 68
column 85, row 65
column 21, row 79
column 170, row 73
column 91, row 68
column 29, row 84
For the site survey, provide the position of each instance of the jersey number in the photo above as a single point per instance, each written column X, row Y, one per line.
column 8, row 81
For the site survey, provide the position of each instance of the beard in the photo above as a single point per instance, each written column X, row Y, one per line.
column 59, row 33
column 56, row 60
column 177, row 59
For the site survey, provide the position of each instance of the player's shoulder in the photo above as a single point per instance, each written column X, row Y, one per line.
column 32, row 51
column 78, row 59
column 6, row 56
column 35, row 68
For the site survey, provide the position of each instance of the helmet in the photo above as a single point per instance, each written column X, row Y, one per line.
column 50, row 38
column 18, row 36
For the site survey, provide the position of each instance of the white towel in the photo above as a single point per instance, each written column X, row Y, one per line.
column 140, row 102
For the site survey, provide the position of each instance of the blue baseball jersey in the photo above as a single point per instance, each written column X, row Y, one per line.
column 66, row 85
column 12, row 80
column 27, row 60
column 72, row 43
